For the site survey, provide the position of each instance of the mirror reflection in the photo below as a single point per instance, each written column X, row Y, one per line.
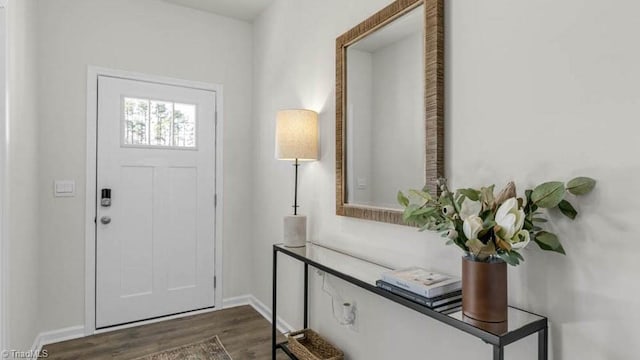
column 385, row 125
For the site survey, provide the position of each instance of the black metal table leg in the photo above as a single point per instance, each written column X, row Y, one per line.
column 306, row 295
column 273, row 304
column 498, row 352
column 543, row 344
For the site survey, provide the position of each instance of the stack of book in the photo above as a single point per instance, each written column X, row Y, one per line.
column 439, row 292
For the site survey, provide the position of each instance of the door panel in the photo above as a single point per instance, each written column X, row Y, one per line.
column 156, row 152
column 184, row 198
column 136, row 230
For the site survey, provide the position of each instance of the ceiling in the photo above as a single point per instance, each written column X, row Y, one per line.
column 246, row 10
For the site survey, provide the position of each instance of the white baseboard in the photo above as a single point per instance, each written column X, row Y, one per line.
column 75, row 332
column 265, row 311
column 258, row 306
column 236, row 301
column 54, row 336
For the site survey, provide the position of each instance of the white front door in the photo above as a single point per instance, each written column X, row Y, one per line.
column 156, row 161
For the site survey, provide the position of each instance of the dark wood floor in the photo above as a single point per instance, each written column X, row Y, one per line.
column 245, row 334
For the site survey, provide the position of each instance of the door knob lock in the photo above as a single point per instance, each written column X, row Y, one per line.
column 105, row 199
column 105, row 220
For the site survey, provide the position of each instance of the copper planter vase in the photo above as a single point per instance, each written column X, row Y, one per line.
column 484, row 290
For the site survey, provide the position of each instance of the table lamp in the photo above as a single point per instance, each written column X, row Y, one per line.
column 296, row 140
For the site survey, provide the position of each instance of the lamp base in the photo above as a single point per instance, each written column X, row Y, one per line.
column 295, row 231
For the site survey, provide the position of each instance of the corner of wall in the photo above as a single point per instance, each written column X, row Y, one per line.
column 22, row 175
column 55, row 336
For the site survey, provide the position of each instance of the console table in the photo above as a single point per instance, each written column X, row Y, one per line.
column 364, row 273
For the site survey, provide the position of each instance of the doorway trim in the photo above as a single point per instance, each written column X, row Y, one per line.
column 4, row 173
column 93, row 73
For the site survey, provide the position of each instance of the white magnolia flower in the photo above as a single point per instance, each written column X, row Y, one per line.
column 521, row 240
column 472, row 226
column 510, row 219
column 470, row 208
column 452, row 234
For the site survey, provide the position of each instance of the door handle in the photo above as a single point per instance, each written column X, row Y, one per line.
column 105, row 220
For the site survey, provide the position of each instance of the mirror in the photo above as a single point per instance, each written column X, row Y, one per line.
column 389, row 90
column 385, row 113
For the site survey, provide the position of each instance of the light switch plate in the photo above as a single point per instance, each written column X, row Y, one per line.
column 64, row 188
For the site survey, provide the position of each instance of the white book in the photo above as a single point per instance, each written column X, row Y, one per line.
column 422, row 282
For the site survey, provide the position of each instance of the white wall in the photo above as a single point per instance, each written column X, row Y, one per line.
column 535, row 91
column 23, row 176
column 146, row 36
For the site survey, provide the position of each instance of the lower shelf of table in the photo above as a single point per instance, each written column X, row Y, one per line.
column 284, row 346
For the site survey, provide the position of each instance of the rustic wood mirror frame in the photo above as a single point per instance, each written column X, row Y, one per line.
column 433, row 101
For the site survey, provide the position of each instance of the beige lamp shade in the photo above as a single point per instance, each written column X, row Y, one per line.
column 297, row 135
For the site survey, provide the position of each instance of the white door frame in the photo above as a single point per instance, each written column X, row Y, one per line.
column 4, row 174
column 90, row 225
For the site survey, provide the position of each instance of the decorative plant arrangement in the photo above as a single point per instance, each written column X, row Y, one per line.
column 488, row 226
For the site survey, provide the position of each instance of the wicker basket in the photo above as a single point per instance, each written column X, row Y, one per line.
column 308, row 345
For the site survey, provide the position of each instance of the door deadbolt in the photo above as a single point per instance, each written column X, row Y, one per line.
column 105, row 220
column 105, row 199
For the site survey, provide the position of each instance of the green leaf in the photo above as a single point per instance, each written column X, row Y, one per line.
column 444, row 201
column 421, row 194
column 548, row 195
column 528, row 225
column 423, row 211
column 402, row 200
column 460, row 201
column 528, row 193
column 511, row 258
column 517, row 254
column 471, row 194
column 567, row 209
column 408, row 212
column 489, row 224
column 442, row 227
column 548, row 241
column 488, row 215
column 581, row 185
column 542, row 220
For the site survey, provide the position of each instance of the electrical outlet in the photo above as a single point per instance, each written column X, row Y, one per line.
column 348, row 313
